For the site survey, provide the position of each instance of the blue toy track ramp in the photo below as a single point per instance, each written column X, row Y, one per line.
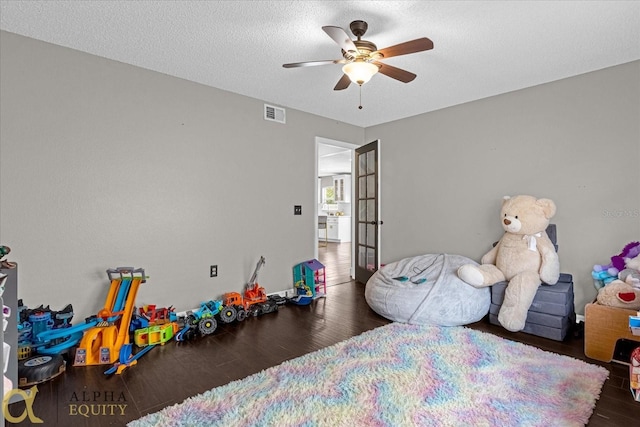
column 66, row 332
column 71, row 341
column 70, row 337
column 126, row 358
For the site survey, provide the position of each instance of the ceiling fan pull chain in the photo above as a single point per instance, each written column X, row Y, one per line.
column 360, row 106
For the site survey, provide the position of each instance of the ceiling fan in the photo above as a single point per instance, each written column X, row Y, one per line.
column 361, row 58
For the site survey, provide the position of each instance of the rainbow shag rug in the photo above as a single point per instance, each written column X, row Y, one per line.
column 404, row 375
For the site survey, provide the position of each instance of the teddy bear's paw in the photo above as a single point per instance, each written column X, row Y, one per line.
column 471, row 275
column 550, row 278
column 510, row 321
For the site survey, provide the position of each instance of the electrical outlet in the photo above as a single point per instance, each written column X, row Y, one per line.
column 213, row 272
column 297, row 210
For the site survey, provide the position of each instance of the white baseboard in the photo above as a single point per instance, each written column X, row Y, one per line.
column 285, row 293
column 184, row 313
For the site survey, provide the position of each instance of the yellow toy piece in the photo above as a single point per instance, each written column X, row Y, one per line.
column 157, row 334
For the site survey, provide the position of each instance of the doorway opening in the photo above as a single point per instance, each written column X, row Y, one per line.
column 334, row 208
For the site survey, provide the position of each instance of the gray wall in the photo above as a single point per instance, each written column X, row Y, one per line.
column 576, row 141
column 103, row 164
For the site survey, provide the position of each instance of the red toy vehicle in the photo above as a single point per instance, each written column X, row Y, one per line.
column 254, row 302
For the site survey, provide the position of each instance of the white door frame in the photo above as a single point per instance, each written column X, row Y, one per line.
column 326, row 141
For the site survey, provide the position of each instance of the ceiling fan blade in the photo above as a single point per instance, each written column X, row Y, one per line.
column 313, row 63
column 413, row 46
column 395, row 73
column 341, row 37
column 343, row 83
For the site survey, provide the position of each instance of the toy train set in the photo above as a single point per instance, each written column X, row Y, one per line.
column 47, row 337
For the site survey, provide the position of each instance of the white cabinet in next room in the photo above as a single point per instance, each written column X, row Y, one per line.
column 338, row 229
column 342, row 188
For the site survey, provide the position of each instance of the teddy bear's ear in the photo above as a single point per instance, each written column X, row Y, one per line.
column 505, row 199
column 548, row 207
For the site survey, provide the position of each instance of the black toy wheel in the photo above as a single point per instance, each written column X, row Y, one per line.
column 271, row 306
column 189, row 334
column 207, row 326
column 266, row 307
column 241, row 315
column 277, row 299
column 228, row 314
column 38, row 369
column 191, row 319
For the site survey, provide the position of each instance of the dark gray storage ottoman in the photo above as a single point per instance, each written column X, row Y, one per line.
column 551, row 313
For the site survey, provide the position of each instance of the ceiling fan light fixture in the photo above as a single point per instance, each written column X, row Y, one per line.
column 360, row 72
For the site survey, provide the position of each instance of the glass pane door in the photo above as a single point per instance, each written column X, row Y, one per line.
column 367, row 221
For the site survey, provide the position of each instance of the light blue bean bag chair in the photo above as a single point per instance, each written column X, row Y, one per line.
column 426, row 290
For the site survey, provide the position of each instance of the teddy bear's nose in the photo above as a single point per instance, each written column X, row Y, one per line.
column 506, row 221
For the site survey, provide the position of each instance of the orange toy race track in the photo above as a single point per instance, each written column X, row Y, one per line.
column 102, row 343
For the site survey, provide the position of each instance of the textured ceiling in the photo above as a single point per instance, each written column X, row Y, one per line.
column 482, row 48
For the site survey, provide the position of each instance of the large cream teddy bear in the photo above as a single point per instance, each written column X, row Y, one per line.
column 525, row 256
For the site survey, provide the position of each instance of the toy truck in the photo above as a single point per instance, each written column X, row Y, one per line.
column 254, row 302
column 204, row 317
column 201, row 321
column 233, row 307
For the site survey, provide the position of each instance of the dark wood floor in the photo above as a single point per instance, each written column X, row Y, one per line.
column 176, row 371
column 336, row 257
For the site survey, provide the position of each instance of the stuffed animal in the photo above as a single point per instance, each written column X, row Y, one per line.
column 631, row 250
column 631, row 273
column 633, row 263
column 603, row 277
column 619, row 294
column 524, row 255
column 609, row 272
column 630, row 277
